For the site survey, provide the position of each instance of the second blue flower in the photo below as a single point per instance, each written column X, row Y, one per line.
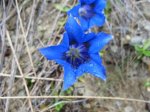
column 89, row 12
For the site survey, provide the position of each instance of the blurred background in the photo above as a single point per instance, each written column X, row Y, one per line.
column 26, row 25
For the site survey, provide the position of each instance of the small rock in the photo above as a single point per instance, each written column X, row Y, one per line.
column 137, row 40
column 146, row 25
column 128, row 109
column 21, row 93
column 146, row 9
column 146, row 60
column 114, row 49
column 148, row 89
column 87, row 106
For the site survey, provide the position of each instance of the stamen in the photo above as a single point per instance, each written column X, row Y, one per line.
column 76, row 55
column 86, row 11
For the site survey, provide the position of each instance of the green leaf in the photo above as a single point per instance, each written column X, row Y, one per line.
column 147, row 84
column 142, row 51
column 108, row 9
column 59, row 107
column 69, row 91
column 138, row 48
column 146, row 52
column 61, row 8
column 101, row 53
column 146, row 44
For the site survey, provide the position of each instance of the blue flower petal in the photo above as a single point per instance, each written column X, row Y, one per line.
column 52, row 52
column 86, row 1
column 92, row 68
column 69, row 77
column 100, row 5
column 97, row 20
column 69, row 74
column 96, row 57
column 99, row 42
column 74, row 11
column 65, row 41
column 84, row 23
column 73, row 29
column 88, row 37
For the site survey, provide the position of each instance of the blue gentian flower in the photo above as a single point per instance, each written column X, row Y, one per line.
column 89, row 12
column 78, row 53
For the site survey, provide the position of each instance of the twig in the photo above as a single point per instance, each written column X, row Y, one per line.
column 13, row 72
column 33, row 78
column 60, row 102
column 25, row 35
column 77, row 97
column 20, row 70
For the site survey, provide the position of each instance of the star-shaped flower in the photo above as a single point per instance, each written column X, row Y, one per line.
column 89, row 12
column 78, row 53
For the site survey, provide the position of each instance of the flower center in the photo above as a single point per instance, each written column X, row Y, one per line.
column 86, row 11
column 76, row 55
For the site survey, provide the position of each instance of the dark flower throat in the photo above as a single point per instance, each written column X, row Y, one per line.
column 77, row 55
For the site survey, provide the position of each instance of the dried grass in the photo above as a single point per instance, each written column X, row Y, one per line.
column 28, row 25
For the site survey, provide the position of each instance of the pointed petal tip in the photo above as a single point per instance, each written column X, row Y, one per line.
column 104, row 78
column 74, row 11
column 98, row 43
column 66, row 87
column 107, row 36
column 69, row 76
column 110, row 37
column 41, row 50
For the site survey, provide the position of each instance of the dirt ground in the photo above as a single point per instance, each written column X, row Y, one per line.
column 26, row 25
